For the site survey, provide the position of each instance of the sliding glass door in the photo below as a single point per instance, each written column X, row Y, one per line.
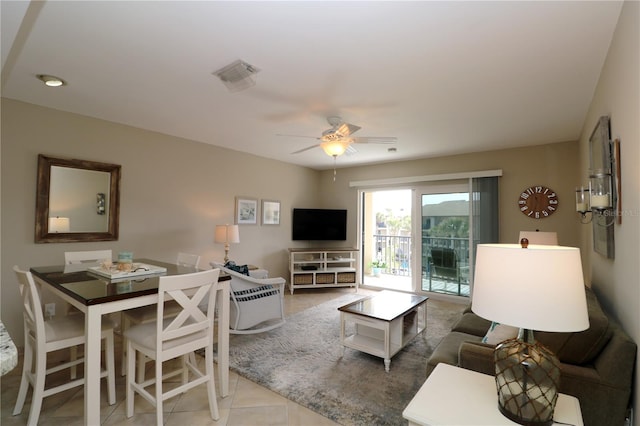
column 423, row 238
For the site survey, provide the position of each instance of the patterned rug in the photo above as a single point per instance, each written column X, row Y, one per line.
column 304, row 362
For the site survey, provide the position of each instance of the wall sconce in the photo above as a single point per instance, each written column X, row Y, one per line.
column 596, row 199
column 601, row 198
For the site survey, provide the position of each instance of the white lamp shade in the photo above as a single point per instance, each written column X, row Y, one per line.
column 537, row 237
column 226, row 234
column 537, row 288
column 59, row 224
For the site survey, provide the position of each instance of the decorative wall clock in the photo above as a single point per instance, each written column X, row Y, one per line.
column 538, row 202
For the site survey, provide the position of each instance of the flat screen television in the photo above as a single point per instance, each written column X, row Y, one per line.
column 319, row 225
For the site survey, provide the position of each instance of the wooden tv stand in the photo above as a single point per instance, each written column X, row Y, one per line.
column 325, row 267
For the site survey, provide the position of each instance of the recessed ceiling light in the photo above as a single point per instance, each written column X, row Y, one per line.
column 51, row 80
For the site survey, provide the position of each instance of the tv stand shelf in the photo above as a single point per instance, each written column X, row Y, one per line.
column 337, row 267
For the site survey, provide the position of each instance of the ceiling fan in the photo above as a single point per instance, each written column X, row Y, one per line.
column 338, row 139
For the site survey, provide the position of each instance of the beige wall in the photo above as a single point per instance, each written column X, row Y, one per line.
column 617, row 95
column 173, row 193
column 545, row 165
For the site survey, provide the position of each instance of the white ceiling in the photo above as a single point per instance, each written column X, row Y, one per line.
column 443, row 77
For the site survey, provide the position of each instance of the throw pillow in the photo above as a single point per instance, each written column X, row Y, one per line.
column 243, row 269
column 499, row 333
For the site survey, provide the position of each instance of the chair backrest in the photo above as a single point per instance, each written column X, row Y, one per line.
column 74, row 257
column 191, row 326
column 32, row 309
column 186, row 259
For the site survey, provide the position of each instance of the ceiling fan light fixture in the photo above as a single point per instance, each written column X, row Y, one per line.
column 237, row 76
column 334, row 148
column 50, row 80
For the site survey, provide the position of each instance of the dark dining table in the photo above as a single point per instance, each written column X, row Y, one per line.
column 96, row 295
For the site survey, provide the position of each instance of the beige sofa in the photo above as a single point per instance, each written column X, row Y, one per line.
column 596, row 364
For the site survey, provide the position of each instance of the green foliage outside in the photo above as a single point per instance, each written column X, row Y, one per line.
column 456, row 227
column 396, row 225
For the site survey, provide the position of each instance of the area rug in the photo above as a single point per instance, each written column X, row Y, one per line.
column 303, row 361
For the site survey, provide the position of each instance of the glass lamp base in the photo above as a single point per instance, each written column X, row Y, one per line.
column 527, row 380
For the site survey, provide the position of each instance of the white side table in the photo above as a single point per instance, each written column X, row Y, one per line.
column 456, row 396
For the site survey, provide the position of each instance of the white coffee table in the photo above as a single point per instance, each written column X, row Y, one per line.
column 456, row 396
column 384, row 323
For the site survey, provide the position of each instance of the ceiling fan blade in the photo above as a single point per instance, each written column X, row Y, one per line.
column 346, row 129
column 298, row 136
column 306, row 149
column 376, row 139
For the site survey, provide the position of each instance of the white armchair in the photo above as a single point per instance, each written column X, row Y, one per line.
column 257, row 305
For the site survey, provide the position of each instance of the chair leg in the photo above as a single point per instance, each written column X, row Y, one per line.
column 24, row 382
column 142, row 363
column 111, row 366
column 158, row 387
column 38, row 389
column 131, row 374
column 211, row 384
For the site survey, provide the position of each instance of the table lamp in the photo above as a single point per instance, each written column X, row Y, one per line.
column 539, row 287
column 226, row 234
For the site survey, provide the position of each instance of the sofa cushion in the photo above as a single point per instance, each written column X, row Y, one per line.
column 447, row 349
column 471, row 323
column 580, row 347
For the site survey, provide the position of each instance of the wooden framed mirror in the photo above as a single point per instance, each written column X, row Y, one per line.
column 76, row 201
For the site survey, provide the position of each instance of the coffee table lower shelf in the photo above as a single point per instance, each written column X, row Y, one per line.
column 370, row 345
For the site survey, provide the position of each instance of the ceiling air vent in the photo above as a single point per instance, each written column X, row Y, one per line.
column 237, row 76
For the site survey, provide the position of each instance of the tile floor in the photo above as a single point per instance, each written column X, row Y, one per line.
column 247, row 404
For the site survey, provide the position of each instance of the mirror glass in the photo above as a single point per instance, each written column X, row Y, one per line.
column 77, row 200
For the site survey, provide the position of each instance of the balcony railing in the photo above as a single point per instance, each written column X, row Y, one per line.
column 395, row 252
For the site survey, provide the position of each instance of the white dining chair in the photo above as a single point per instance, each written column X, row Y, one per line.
column 42, row 337
column 145, row 314
column 75, row 257
column 169, row 338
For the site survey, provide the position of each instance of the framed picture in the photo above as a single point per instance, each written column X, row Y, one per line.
column 246, row 211
column 270, row 212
